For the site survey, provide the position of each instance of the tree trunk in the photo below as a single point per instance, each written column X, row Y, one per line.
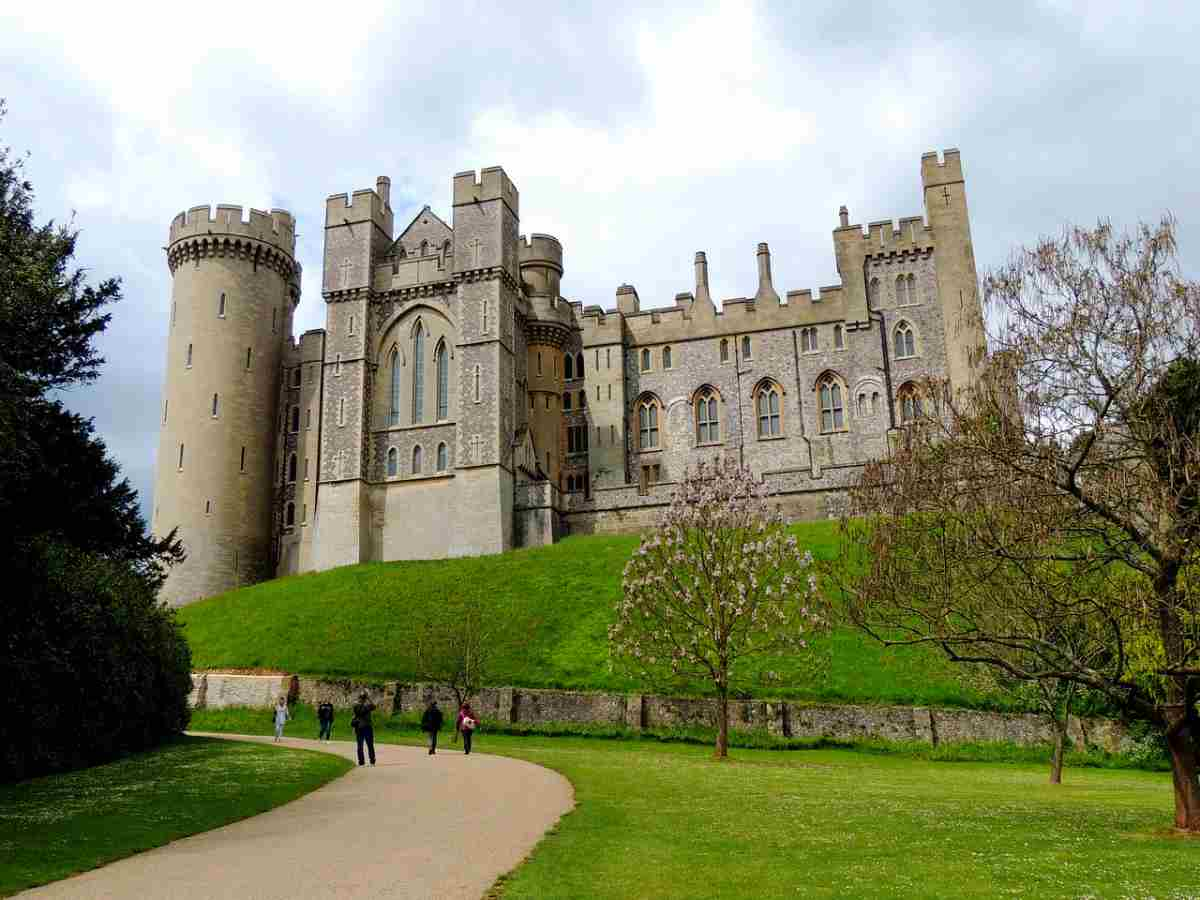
column 1187, row 784
column 1060, row 739
column 722, row 722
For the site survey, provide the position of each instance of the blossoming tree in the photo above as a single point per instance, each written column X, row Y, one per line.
column 719, row 581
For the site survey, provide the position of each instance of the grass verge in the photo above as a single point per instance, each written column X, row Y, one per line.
column 661, row 819
column 59, row 825
column 359, row 621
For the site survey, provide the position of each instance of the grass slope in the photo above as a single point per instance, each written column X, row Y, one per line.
column 58, row 825
column 663, row 820
column 359, row 621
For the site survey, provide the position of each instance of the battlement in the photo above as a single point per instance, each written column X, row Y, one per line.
column 360, row 206
column 946, row 171
column 540, row 249
column 277, row 227
column 492, row 184
column 886, row 237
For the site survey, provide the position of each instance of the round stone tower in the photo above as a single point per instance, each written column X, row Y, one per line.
column 547, row 329
column 235, row 286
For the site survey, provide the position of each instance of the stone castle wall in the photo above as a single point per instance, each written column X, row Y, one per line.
column 524, row 706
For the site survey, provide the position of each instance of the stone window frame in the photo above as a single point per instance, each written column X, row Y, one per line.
column 579, row 365
column 566, row 401
column 832, row 402
column 653, row 406
column 873, row 288
column 583, row 398
column 868, row 392
column 667, row 358
column 577, row 435
column 418, row 460
column 289, row 515
column 810, row 339
column 713, row 406
column 392, row 462
column 747, row 348
column 913, row 350
column 647, row 360
column 839, row 337
column 292, row 467
column 906, row 290
column 764, row 390
column 294, row 419
column 443, row 457
column 908, row 403
column 296, row 376
column 441, row 366
column 568, row 366
column 418, row 336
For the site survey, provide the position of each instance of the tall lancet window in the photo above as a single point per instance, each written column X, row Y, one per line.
column 418, row 401
column 443, row 382
column 394, row 402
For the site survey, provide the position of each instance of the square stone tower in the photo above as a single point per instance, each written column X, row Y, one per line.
column 486, row 225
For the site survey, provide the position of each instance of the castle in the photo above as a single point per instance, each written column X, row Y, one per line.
column 456, row 403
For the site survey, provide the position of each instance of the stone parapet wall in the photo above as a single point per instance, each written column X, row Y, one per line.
column 523, row 706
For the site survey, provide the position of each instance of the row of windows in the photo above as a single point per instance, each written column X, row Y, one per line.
column 221, row 303
column 441, row 359
column 442, row 460
column 810, row 339
column 768, row 408
column 906, row 291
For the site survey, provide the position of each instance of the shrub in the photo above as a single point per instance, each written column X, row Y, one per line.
column 91, row 667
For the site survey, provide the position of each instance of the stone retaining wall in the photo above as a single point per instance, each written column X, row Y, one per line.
column 788, row 719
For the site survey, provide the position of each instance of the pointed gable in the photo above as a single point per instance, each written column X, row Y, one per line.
column 427, row 231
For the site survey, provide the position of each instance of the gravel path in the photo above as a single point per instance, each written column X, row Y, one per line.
column 412, row 826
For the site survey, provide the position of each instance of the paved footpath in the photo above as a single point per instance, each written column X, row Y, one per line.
column 412, row 826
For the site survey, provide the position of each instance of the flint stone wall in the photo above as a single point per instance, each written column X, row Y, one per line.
column 786, row 719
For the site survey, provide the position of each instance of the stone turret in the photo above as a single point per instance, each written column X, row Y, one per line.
column 547, row 328
column 235, row 285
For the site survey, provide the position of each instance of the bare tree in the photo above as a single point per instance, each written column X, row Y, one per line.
column 1045, row 521
column 458, row 646
column 720, row 580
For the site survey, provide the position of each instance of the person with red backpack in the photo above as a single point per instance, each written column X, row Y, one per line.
column 466, row 724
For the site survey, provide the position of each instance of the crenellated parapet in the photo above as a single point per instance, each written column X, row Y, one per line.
column 267, row 239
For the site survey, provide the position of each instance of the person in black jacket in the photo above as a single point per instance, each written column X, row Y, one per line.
column 325, row 718
column 364, row 731
column 431, row 722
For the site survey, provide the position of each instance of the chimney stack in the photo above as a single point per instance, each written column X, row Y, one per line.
column 383, row 187
column 702, row 279
column 766, row 290
column 844, row 215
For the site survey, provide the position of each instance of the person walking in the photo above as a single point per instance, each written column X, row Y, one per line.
column 467, row 723
column 281, row 716
column 431, row 722
column 364, row 731
column 325, row 718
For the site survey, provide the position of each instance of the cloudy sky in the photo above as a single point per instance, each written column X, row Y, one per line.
column 636, row 135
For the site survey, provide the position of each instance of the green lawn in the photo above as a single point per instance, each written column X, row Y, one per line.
column 360, row 620
column 663, row 820
column 58, row 825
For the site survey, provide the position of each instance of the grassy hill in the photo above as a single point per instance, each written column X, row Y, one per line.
column 358, row 621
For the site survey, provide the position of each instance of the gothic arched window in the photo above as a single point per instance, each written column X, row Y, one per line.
column 416, row 468
column 645, row 360
column 393, row 462
column 666, row 357
column 839, row 340
column 441, row 457
column 768, row 402
column 708, row 424
column 647, row 413
column 418, row 399
column 909, row 401
column 568, row 366
column 724, row 350
column 905, row 342
column 583, row 398
column 566, row 397
column 746, row 346
column 443, row 381
column 912, row 288
column 579, row 364
column 833, row 413
column 394, row 391
column 873, row 294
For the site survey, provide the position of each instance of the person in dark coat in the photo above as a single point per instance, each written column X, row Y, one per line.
column 325, row 718
column 431, row 723
column 466, row 724
column 364, row 731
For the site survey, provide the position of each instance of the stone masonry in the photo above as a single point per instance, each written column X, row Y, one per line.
column 456, row 403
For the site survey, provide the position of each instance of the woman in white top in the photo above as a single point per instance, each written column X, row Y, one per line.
column 281, row 716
